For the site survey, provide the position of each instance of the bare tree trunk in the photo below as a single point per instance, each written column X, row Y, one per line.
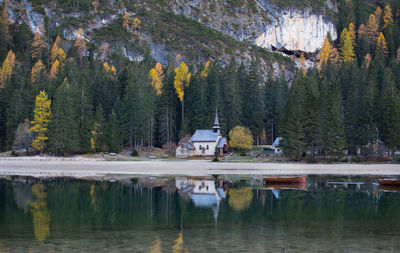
column 272, row 131
column 183, row 110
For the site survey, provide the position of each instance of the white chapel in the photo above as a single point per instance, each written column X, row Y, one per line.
column 203, row 143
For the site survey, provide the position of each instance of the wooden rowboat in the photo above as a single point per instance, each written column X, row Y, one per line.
column 286, row 180
column 389, row 182
column 389, row 188
column 286, row 186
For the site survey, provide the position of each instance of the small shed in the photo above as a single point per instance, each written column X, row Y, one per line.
column 277, row 145
column 184, row 150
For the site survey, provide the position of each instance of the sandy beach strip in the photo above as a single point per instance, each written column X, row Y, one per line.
column 48, row 167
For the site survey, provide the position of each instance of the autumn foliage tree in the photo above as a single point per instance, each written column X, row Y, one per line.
column 381, row 44
column 346, row 46
column 130, row 22
column 37, row 69
column 7, row 68
column 41, row 119
column 54, row 49
column 327, row 53
column 110, row 69
column 372, row 29
column 80, row 43
column 387, row 16
column 54, row 69
column 181, row 80
column 39, row 43
column 156, row 76
column 206, row 70
column 240, row 137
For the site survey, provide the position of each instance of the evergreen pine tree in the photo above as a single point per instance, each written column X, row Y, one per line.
column 112, row 133
column 64, row 127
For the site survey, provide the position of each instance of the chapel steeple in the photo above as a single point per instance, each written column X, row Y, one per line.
column 216, row 123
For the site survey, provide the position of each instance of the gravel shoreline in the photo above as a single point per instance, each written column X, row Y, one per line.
column 92, row 167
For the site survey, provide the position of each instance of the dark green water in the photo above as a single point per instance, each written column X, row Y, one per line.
column 151, row 215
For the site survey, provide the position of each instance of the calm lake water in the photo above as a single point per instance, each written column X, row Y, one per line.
column 216, row 214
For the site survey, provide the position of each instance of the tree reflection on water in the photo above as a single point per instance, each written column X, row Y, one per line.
column 41, row 216
column 152, row 215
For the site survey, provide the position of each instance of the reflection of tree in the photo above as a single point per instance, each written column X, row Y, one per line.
column 156, row 247
column 93, row 199
column 178, row 245
column 41, row 216
column 240, row 199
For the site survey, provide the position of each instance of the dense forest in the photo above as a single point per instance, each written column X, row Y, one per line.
column 71, row 101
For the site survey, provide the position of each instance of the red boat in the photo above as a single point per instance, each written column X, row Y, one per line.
column 389, row 188
column 286, row 180
column 389, row 182
column 286, row 186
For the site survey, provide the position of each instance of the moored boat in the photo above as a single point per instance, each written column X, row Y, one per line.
column 389, row 188
column 389, row 182
column 285, row 186
column 286, row 180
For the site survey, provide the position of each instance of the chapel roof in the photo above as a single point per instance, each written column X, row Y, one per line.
column 204, row 135
column 221, row 143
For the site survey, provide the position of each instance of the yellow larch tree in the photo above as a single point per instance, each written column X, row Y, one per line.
column 156, row 76
column 367, row 60
column 372, row 29
column 206, row 70
column 5, row 20
column 378, row 14
column 130, row 22
column 181, row 80
column 80, row 43
column 39, row 43
column 352, row 33
column 346, row 47
column 381, row 44
column 54, row 49
column 327, row 53
column 361, row 31
column 37, row 69
column 54, row 69
column 387, row 16
column 92, row 144
column 126, row 21
column 7, row 68
column 41, row 119
column 5, row 73
column 136, row 23
column 110, row 69
column 11, row 58
column 61, row 55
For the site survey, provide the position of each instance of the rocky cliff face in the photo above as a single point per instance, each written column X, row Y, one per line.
column 263, row 23
column 296, row 31
column 248, row 22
